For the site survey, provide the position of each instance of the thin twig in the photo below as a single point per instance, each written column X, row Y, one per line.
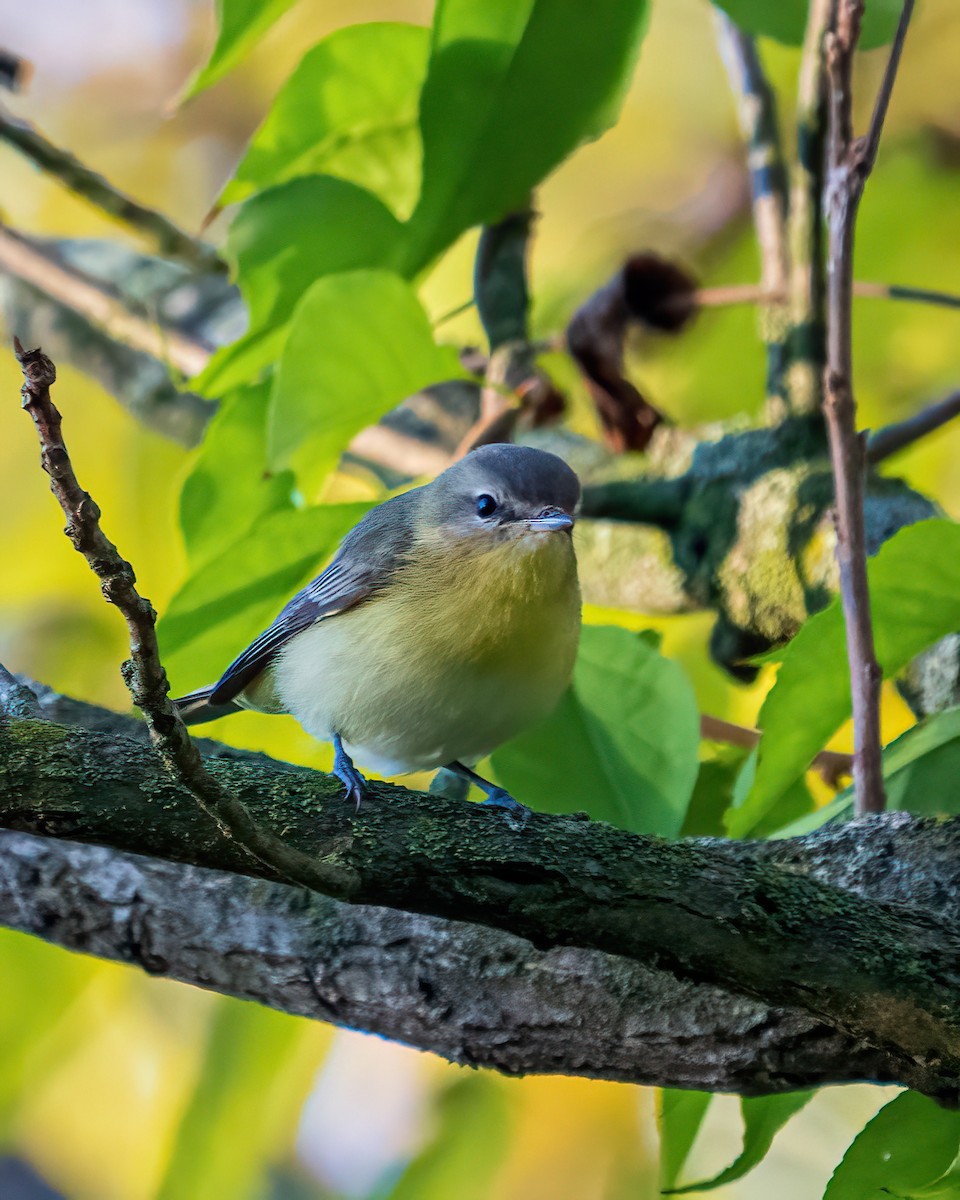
column 757, row 113
column 849, row 163
column 805, row 341
column 832, row 765
column 16, row 699
column 144, row 673
column 893, row 438
column 755, row 293
column 882, row 102
column 24, row 259
column 169, row 239
column 898, row 291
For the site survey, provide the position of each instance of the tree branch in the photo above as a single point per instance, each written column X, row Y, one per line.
column 893, row 438
column 805, row 340
column 31, row 263
column 143, row 673
column 170, row 240
column 757, row 113
column 473, row 995
column 850, row 161
column 16, row 699
column 857, row 927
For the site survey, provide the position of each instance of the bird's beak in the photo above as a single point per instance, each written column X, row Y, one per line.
column 551, row 519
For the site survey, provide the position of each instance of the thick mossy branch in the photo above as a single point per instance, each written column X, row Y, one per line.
column 858, row 930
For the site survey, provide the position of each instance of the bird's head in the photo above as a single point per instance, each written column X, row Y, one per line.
column 504, row 493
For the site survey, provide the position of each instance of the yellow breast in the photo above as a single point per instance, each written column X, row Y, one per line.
column 467, row 646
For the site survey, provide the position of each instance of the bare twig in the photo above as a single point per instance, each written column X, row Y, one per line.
column 29, row 262
column 832, row 765
column 757, row 112
column 871, row 145
column 850, row 161
column 144, row 673
column 169, row 239
column 16, row 700
column 893, row 438
column 755, row 293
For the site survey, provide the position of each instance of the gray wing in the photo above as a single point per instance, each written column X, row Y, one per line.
column 365, row 562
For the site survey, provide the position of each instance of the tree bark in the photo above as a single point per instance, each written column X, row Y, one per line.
column 571, row 946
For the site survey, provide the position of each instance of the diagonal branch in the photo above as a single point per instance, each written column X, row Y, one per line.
column 26, row 260
column 891, row 439
column 143, row 672
column 170, row 240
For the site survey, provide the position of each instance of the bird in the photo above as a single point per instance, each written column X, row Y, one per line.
column 445, row 624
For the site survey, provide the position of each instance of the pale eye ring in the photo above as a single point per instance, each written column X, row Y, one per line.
column 486, row 506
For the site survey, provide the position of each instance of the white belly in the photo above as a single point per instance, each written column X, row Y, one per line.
column 408, row 689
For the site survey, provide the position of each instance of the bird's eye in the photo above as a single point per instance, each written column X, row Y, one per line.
column 486, row 506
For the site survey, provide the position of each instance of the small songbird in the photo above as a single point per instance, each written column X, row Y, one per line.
column 447, row 622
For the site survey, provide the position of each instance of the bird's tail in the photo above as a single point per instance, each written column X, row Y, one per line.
column 196, row 708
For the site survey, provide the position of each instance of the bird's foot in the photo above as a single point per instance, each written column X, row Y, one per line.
column 517, row 814
column 347, row 773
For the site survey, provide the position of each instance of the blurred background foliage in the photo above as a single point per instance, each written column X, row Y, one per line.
column 116, row 1086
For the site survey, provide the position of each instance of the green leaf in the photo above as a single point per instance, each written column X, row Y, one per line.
column 763, row 1118
column 914, row 601
column 239, row 23
column 513, row 86
column 229, row 487
column 920, row 769
column 910, row 1143
column 337, row 115
column 922, row 766
column 786, row 20
column 359, row 344
column 284, row 239
column 472, row 1135
column 679, row 1117
column 233, row 597
column 255, row 1076
column 622, row 744
column 795, row 803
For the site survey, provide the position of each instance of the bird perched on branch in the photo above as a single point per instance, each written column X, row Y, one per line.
column 447, row 622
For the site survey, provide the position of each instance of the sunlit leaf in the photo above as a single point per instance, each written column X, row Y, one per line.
column 513, row 86
column 909, row 1143
column 920, row 770
column 339, row 114
column 224, row 605
column 229, row 486
column 679, row 1117
column 285, row 238
column 914, row 601
column 359, row 344
column 255, row 1074
column 239, row 23
column 786, row 20
column 763, row 1118
column 471, row 1138
column 622, row 744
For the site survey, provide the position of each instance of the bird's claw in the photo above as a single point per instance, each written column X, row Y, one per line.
column 516, row 814
column 354, row 784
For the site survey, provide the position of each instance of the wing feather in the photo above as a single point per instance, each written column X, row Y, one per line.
column 366, row 560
